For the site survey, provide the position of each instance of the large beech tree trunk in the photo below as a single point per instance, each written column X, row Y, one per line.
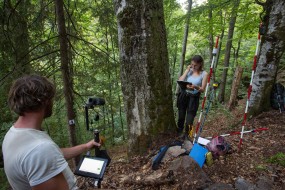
column 271, row 51
column 146, row 83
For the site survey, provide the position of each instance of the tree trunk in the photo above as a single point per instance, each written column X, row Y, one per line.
column 146, row 83
column 219, row 46
column 22, row 38
column 236, row 54
column 211, row 38
column 174, row 57
column 221, row 96
column 184, row 45
column 65, row 70
column 235, row 85
column 119, row 95
column 110, row 67
column 271, row 51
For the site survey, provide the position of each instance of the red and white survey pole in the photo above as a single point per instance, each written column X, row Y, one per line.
column 250, row 88
column 215, row 51
column 239, row 132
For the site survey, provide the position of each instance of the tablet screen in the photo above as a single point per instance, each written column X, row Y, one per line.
column 91, row 166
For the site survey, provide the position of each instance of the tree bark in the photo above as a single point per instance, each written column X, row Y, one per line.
column 119, row 95
column 219, row 46
column 184, row 45
column 211, row 38
column 146, row 83
column 235, row 85
column 271, row 51
column 221, row 96
column 65, row 70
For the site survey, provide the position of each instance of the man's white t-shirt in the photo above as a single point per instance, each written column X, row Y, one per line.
column 31, row 158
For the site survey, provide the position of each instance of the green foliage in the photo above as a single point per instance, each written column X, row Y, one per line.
column 4, row 127
column 3, row 180
column 278, row 158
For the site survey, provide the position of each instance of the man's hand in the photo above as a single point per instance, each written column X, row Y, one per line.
column 92, row 143
column 71, row 152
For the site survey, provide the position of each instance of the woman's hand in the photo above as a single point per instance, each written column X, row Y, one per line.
column 190, row 86
column 188, row 68
column 182, row 77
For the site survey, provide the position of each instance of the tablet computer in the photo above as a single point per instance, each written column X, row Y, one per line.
column 183, row 84
column 93, row 167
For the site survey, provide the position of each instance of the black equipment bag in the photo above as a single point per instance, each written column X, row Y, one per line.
column 277, row 99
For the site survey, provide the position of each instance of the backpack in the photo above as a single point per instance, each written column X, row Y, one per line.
column 158, row 158
column 277, row 98
column 218, row 146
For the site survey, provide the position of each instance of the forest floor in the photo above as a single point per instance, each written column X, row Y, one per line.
column 250, row 163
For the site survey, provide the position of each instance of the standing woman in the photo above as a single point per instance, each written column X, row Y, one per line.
column 188, row 100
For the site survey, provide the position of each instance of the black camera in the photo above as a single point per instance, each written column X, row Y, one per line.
column 91, row 102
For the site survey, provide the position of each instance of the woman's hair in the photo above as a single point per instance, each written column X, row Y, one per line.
column 198, row 59
column 30, row 93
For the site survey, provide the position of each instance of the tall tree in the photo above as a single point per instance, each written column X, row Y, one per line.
column 146, row 83
column 65, row 70
column 221, row 96
column 235, row 86
column 211, row 38
column 222, row 23
column 271, row 50
column 182, row 58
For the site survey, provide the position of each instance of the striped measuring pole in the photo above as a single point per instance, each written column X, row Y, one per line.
column 250, row 88
column 215, row 51
column 239, row 132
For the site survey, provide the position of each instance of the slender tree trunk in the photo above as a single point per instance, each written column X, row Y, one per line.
column 65, row 70
column 184, row 45
column 119, row 96
column 221, row 96
column 211, row 38
column 271, row 51
column 22, row 38
column 145, row 77
column 235, row 86
column 110, row 86
column 174, row 56
column 236, row 54
column 219, row 46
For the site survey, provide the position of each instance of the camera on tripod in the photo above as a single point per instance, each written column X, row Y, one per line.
column 93, row 166
column 90, row 104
